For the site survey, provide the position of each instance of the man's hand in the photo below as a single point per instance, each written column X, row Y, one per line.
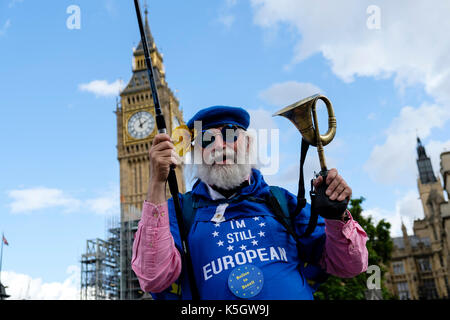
column 162, row 156
column 337, row 187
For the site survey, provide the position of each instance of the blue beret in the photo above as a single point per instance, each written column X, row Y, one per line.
column 216, row 116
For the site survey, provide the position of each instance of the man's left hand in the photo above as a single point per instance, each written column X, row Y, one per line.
column 337, row 189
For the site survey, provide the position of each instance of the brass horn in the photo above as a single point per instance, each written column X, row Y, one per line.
column 304, row 116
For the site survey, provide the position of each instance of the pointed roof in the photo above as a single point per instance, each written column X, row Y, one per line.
column 421, row 153
column 424, row 165
column 148, row 33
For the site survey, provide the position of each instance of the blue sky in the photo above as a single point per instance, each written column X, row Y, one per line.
column 388, row 80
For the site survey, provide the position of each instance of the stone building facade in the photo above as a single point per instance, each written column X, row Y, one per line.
column 420, row 265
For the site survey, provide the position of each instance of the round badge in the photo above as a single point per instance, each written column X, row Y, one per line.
column 246, row 281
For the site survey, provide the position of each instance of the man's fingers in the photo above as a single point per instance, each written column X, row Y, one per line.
column 161, row 137
column 163, row 145
column 347, row 193
column 168, row 156
column 163, row 153
column 317, row 181
column 332, row 173
column 337, row 191
column 333, row 185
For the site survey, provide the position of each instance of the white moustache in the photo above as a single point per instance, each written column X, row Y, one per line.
column 220, row 155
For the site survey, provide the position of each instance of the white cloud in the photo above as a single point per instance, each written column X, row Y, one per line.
column 22, row 286
column 407, row 209
column 106, row 204
column 265, row 136
column 231, row 3
column 226, row 19
column 5, row 27
column 26, row 200
column 39, row 198
column 111, row 8
column 103, row 88
column 410, row 45
column 13, row 3
column 261, row 119
column 285, row 93
column 395, row 160
column 434, row 149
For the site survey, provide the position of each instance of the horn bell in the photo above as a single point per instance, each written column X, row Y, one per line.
column 300, row 114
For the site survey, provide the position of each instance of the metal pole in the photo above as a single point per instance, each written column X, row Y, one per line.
column 1, row 259
column 172, row 179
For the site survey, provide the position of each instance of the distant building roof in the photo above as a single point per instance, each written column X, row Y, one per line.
column 139, row 81
column 414, row 240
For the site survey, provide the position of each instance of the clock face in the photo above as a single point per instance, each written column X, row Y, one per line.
column 141, row 124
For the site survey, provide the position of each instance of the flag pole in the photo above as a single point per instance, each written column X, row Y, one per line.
column 1, row 258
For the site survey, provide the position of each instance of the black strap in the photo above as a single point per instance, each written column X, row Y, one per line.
column 188, row 203
column 314, row 215
column 275, row 206
column 301, row 200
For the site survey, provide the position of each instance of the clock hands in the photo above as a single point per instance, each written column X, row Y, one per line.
column 141, row 123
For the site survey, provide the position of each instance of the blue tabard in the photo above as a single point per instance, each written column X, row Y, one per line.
column 248, row 247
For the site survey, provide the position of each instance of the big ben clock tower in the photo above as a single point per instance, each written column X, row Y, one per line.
column 136, row 129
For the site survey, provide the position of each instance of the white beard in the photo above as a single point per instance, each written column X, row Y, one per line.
column 224, row 176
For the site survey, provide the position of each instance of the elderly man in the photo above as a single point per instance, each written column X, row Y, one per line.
column 239, row 248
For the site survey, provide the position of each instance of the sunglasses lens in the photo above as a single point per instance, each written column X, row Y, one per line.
column 208, row 138
column 230, row 133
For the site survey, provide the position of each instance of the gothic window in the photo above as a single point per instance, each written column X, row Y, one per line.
column 403, row 291
column 398, row 267
column 428, row 289
column 424, row 264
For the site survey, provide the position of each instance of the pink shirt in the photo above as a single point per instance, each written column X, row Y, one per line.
column 157, row 262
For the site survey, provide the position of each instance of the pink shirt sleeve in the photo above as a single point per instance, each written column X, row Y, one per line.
column 155, row 260
column 345, row 254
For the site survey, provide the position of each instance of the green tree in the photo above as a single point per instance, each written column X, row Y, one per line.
column 379, row 246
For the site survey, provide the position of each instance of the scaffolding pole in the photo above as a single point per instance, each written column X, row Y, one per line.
column 100, row 268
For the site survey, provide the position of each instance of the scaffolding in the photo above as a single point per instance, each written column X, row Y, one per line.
column 100, row 271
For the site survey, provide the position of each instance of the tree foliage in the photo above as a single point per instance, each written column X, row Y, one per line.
column 379, row 246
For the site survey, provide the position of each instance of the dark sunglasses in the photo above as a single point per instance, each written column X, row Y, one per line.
column 229, row 132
